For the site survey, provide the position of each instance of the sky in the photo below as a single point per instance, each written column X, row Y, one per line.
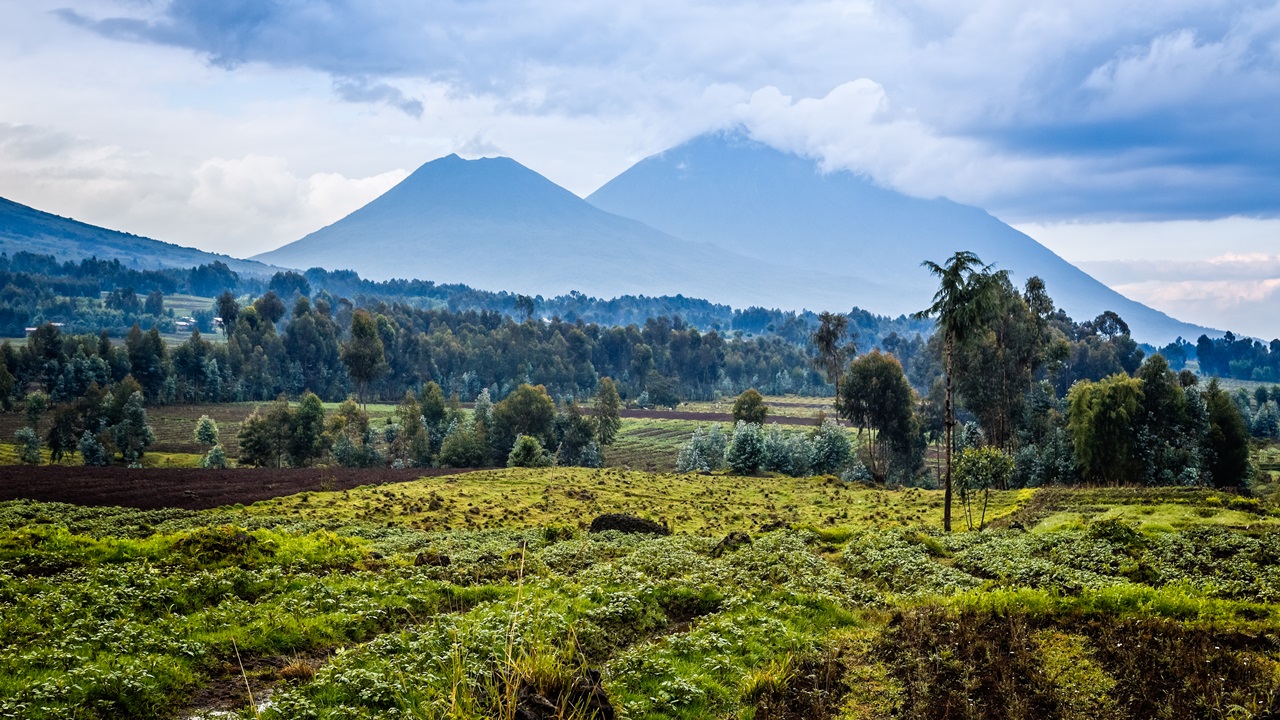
column 1134, row 138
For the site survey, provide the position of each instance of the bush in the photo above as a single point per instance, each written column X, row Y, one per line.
column 704, row 452
column 750, row 407
column 746, row 450
column 829, row 448
column 528, row 452
column 215, row 459
column 786, row 453
column 28, row 446
column 92, row 452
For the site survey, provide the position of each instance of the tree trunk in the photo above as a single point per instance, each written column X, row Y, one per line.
column 950, row 429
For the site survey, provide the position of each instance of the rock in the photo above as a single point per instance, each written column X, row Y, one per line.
column 629, row 524
column 731, row 542
column 584, row 698
column 774, row 526
column 431, row 558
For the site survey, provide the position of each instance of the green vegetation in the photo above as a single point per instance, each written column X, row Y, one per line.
column 467, row 596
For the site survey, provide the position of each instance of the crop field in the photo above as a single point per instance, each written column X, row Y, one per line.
column 483, row 595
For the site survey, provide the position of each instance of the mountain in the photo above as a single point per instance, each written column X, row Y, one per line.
column 24, row 228
column 494, row 224
column 751, row 199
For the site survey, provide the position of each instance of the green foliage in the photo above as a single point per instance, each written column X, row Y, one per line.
column 977, row 471
column 750, row 407
column 1227, row 442
column 528, row 410
column 206, row 431
column 527, row 452
column 132, row 435
column 215, row 459
column 829, row 449
column 1102, row 417
column 606, row 412
column 746, row 451
column 92, row 451
column 307, row 441
column 364, row 354
column 704, row 451
column 877, row 397
column 29, row 446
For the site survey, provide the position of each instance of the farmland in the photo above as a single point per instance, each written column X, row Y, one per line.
column 483, row 595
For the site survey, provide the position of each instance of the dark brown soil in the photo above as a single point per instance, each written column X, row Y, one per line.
column 708, row 417
column 188, row 488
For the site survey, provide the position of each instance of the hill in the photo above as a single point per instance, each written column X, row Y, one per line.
column 754, row 200
column 24, row 228
column 494, row 224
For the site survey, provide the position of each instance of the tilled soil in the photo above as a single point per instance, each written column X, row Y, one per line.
column 187, row 488
column 709, row 417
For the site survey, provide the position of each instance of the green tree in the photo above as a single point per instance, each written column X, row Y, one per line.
column 745, row 453
column 1101, row 417
column 307, row 441
column 154, row 305
column 961, row 306
column 524, row 307
column 1227, row 443
column 750, row 407
column 132, row 434
column 7, row 384
column 92, row 452
column 978, row 470
column 228, row 310
column 528, row 452
column 28, row 446
column 574, row 431
column 206, row 431
column 464, row 447
column 829, row 448
column 364, row 354
column 148, row 361
column 528, row 410
column 878, row 400
column 830, row 348
column 264, row 437
column 36, row 405
column 607, row 412
column 63, row 435
column 353, row 444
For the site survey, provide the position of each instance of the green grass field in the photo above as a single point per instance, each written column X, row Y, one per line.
column 466, row 597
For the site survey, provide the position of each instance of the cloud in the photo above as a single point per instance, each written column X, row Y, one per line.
column 369, row 91
column 1035, row 111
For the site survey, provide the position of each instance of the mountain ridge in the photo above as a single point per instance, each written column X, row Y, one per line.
column 455, row 220
column 752, row 199
column 24, row 228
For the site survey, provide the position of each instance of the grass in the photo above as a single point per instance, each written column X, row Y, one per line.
column 337, row 605
column 688, row 503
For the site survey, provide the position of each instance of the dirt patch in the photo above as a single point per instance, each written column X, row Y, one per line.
column 710, row 417
column 187, row 488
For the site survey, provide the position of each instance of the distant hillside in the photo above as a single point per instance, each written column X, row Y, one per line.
column 24, row 228
column 497, row 225
column 750, row 199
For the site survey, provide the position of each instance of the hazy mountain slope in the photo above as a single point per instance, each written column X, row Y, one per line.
column 495, row 224
column 757, row 201
column 24, row 228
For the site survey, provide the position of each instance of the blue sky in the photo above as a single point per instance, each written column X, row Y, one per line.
column 1135, row 138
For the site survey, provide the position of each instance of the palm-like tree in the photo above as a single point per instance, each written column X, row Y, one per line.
column 961, row 306
column 831, row 354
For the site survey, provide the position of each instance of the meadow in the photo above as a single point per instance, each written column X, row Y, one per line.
column 484, row 595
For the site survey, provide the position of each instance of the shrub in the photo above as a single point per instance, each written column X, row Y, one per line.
column 704, row 452
column 528, row 452
column 746, row 450
column 829, row 448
